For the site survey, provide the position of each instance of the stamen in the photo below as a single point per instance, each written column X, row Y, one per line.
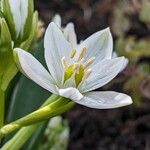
column 64, row 62
column 73, row 52
column 76, row 68
column 88, row 62
column 82, row 53
column 87, row 74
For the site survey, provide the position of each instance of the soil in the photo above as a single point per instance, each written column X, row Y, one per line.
column 125, row 128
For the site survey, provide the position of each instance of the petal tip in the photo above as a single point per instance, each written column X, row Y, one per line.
column 107, row 30
column 126, row 100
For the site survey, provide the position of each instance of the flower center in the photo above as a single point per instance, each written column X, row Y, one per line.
column 79, row 70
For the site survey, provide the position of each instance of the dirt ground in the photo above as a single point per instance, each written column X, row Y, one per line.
column 125, row 128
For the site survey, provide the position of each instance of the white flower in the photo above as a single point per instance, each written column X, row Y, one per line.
column 75, row 71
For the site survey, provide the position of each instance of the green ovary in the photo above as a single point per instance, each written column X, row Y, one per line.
column 77, row 73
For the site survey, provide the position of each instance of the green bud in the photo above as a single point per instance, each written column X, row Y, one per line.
column 33, row 28
column 5, row 46
column 19, row 15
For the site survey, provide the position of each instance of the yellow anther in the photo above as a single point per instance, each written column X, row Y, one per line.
column 73, row 52
column 64, row 62
column 88, row 62
column 87, row 74
column 82, row 53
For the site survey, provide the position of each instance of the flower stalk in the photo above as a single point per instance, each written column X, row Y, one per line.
column 53, row 109
column 25, row 133
column 20, row 138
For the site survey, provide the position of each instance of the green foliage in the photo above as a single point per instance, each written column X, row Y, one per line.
column 132, row 85
column 133, row 49
column 120, row 20
column 145, row 11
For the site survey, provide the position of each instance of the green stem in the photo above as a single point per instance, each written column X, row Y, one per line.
column 25, row 133
column 53, row 109
column 20, row 137
column 2, row 105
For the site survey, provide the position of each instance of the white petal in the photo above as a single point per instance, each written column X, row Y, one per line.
column 15, row 9
column 69, row 33
column 56, row 46
column 114, row 55
column 71, row 93
column 125, row 64
column 57, row 20
column 102, row 73
column 105, row 100
column 34, row 70
column 98, row 45
column 24, row 13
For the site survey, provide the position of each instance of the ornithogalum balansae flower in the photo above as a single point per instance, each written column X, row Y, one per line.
column 74, row 71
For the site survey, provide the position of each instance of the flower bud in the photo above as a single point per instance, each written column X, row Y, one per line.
column 5, row 37
column 5, row 46
column 19, row 16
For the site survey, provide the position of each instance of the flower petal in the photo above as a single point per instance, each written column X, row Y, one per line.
column 114, row 55
column 71, row 93
column 24, row 12
column 102, row 73
column 105, row 100
column 57, row 20
column 56, row 46
column 34, row 70
column 69, row 33
column 99, row 45
column 15, row 9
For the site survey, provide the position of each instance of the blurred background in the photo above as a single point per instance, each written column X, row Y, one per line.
column 125, row 128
